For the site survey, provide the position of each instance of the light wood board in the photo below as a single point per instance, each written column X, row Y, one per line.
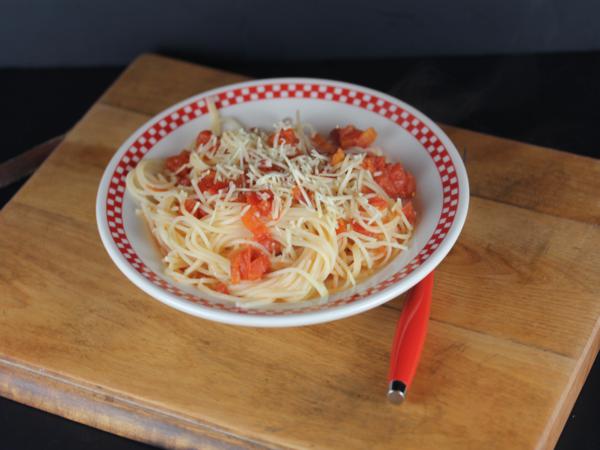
column 515, row 318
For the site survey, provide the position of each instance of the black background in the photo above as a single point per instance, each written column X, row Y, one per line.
column 549, row 100
column 58, row 33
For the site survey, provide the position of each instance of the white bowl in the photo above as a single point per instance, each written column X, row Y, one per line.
column 404, row 133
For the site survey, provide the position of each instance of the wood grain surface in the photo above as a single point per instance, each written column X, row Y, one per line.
column 515, row 318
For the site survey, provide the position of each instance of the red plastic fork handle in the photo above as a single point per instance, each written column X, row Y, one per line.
column 409, row 339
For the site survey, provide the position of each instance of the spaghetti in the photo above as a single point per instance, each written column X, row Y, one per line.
column 257, row 217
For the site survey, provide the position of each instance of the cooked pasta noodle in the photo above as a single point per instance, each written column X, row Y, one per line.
column 257, row 217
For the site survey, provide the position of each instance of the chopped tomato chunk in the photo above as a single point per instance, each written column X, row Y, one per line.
column 350, row 136
column 409, row 212
column 220, row 287
column 267, row 241
column 204, row 138
column 366, row 138
column 337, row 157
column 258, row 267
column 286, row 136
column 378, row 202
column 249, row 264
column 183, row 178
column 256, row 199
column 174, row 163
column 374, row 163
column 322, row 144
column 366, row 190
column 251, row 221
column 380, row 250
column 334, row 135
column 396, row 181
column 341, row 226
column 360, row 229
column 189, row 206
column 207, row 181
column 297, row 195
column 392, row 177
column 209, row 185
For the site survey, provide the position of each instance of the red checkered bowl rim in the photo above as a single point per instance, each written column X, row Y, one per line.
column 453, row 177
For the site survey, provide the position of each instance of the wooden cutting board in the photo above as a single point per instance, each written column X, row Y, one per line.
column 514, row 329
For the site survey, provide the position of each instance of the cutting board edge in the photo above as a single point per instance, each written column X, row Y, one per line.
column 564, row 406
column 98, row 408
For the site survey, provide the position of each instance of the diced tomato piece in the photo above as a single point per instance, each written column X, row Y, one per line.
column 337, row 157
column 297, row 195
column 366, row 190
column 239, row 261
column 380, row 250
column 341, row 226
column 360, row 229
column 203, row 138
column 366, row 138
column 209, row 185
column 174, row 163
column 249, row 264
column 263, row 206
column 218, row 186
column 392, row 177
column 334, row 135
column 239, row 196
column 350, row 136
column 374, row 163
column 207, row 181
column 396, row 181
column 251, row 221
column 267, row 241
column 286, row 136
column 258, row 267
column 409, row 211
column 220, row 287
column 323, row 144
column 189, row 206
column 378, row 202
column 183, row 178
